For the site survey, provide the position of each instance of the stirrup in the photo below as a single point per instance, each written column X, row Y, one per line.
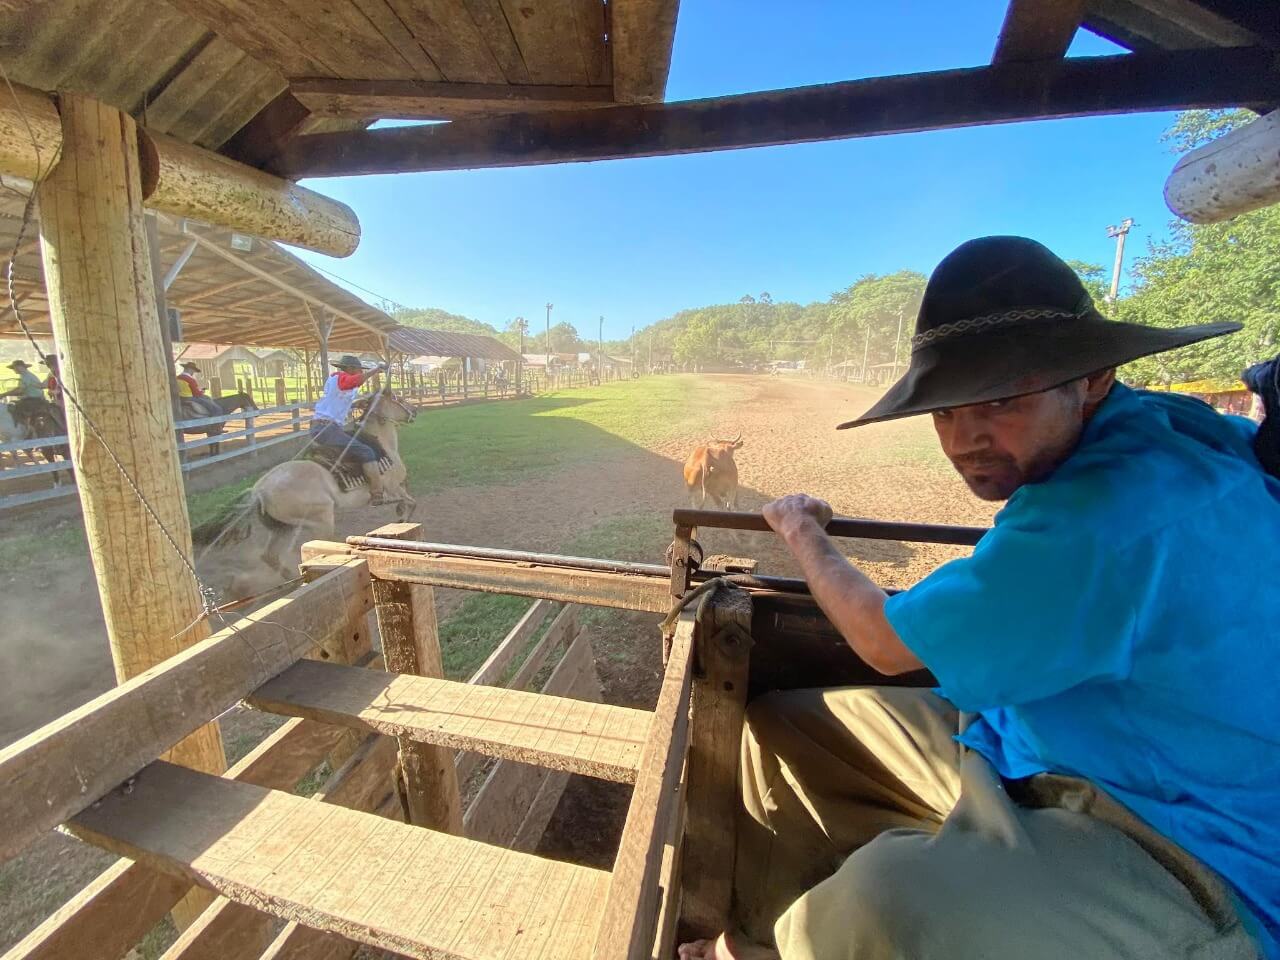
column 381, row 500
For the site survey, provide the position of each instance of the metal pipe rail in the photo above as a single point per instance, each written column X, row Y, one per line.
column 562, row 562
column 838, row 527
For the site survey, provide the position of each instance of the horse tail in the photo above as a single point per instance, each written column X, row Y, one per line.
column 237, row 522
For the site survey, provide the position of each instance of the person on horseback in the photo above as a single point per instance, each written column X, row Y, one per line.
column 331, row 414
column 30, row 393
column 195, row 402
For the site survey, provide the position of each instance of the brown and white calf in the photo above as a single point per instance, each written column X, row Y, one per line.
column 711, row 472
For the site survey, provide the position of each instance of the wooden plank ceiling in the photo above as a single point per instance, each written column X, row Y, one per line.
column 248, row 77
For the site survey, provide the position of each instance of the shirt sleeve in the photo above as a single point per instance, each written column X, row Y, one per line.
column 1028, row 615
column 349, row 381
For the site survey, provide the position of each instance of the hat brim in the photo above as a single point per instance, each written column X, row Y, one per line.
column 1017, row 361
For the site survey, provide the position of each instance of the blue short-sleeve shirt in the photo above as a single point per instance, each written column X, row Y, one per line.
column 1121, row 623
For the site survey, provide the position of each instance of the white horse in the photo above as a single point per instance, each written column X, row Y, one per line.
column 303, row 496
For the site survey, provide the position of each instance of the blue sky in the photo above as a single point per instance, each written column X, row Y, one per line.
column 636, row 240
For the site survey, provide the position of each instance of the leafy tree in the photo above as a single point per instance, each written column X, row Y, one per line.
column 1204, row 272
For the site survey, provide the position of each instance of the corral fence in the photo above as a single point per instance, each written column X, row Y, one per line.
column 28, row 478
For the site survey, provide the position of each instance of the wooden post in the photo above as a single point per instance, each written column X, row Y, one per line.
column 103, row 308
column 215, row 386
column 281, row 399
column 410, row 644
column 715, row 730
column 162, row 313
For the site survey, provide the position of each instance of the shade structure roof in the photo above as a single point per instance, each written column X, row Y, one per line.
column 537, row 81
column 414, row 342
column 263, row 296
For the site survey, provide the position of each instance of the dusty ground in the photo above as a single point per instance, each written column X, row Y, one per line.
column 53, row 649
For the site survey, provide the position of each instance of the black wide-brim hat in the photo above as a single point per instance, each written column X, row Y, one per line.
column 1003, row 317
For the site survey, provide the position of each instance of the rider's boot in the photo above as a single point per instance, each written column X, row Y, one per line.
column 377, row 491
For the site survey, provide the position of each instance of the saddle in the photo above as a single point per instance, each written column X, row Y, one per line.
column 349, row 473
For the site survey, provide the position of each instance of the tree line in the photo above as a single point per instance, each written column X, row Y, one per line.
column 1201, row 273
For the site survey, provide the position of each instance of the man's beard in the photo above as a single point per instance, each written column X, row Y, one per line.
column 997, row 476
column 990, row 477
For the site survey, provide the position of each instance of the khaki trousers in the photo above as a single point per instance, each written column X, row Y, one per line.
column 868, row 832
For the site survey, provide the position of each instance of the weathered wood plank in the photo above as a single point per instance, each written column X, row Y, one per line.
column 642, row 33
column 425, row 100
column 628, row 926
column 411, row 645
column 225, row 930
column 547, row 36
column 397, row 34
column 113, row 912
column 715, row 734
column 451, row 38
column 1001, row 93
column 591, row 739
column 649, row 594
column 491, row 21
column 516, row 801
column 68, row 764
column 337, row 870
column 1038, row 30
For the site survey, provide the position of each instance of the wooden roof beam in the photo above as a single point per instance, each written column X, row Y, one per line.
column 189, row 181
column 1001, row 93
column 1231, row 175
column 1038, row 30
column 427, row 100
column 641, row 35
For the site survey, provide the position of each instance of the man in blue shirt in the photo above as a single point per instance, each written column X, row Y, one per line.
column 1107, row 657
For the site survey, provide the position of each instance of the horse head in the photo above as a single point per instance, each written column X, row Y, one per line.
column 386, row 406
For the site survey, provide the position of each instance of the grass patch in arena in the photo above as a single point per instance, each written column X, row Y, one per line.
column 484, row 443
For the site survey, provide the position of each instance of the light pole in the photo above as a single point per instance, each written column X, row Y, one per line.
column 1118, row 234
column 897, row 343
column 547, row 345
column 521, row 326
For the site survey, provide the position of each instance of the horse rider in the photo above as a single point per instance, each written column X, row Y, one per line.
column 195, row 402
column 52, row 386
column 330, row 416
column 1097, row 770
column 29, row 391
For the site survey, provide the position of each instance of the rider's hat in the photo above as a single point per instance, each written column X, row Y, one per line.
column 49, row 360
column 1003, row 317
column 348, row 360
column 191, row 365
column 19, row 365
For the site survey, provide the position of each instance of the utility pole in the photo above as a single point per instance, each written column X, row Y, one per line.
column 866, row 347
column 633, row 350
column 650, row 351
column 600, row 347
column 897, row 343
column 548, row 343
column 520, row 326
column 1118, row 234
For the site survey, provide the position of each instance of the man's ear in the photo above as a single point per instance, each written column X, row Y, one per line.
column 1096, row 387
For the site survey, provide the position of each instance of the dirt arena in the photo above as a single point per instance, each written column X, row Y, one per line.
column 53, row 655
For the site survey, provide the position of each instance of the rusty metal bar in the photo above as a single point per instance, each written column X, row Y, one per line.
column 838, row 527
column 512, row 556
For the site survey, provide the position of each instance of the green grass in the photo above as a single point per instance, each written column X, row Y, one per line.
column 471, row 634
column 475, row 629
column 478, row 444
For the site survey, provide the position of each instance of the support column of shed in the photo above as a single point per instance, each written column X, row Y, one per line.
column 102, row 302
